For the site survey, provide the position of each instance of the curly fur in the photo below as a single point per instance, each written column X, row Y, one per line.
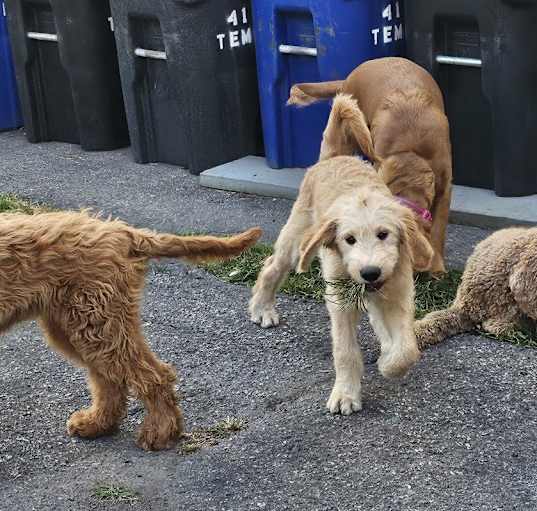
column 498, row 290
column 82, row 278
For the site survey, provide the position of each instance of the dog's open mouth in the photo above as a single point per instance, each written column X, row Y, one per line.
column 373, row 287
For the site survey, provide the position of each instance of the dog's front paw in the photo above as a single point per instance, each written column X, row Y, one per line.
column 344, row 399
column 86, row 424
column 264, row 315
column 396, row 364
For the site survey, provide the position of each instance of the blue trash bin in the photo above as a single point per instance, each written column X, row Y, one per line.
column 314, row 41
column 10, row 115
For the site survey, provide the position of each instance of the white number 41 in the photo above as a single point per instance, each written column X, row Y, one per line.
column 233, row 18
column 387, row 12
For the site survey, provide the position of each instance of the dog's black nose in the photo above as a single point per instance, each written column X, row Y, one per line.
column 370, row 273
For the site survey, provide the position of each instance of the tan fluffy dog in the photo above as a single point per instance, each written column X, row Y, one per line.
column 83, row 278
column 401, row 126
column 346, row 213
column 498, row 291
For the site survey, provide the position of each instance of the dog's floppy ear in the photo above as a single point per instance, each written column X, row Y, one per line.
column 419, row 249
column 325, row 235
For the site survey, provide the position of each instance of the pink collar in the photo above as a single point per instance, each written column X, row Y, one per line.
column 421, row 212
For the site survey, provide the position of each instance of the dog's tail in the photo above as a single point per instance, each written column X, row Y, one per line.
column 438, row 325
column 348, row 121
column 304, row 94
column 192, row 248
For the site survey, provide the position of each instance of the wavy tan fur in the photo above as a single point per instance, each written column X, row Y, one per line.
column 339, row 198
column 498, row 289
column 82, row 278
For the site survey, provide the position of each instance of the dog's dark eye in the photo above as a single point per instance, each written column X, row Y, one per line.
column 382, row 235
column 351, row 240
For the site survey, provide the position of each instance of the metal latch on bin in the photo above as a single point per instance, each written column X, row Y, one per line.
column 42, row 36
column 289, row 49
column 150, row 54
column 458, row 61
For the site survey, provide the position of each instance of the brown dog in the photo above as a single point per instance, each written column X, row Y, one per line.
column 399, row 124
column 83, row 278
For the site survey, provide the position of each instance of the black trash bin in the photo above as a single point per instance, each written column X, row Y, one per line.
column 484, row 55
column 67, row 72
column 189, row 80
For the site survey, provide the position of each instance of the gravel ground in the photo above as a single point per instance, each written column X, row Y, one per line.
column 459, row 432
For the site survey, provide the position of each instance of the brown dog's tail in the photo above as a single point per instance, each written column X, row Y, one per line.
column 438, row 325
column 348, row 122
column 193, row 248
column 304, row 94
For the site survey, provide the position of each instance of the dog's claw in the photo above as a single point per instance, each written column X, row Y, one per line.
column 267, row 318
column 344, row 402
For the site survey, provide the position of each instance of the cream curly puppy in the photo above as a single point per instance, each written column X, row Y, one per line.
column 498, row 291
column 347, row 215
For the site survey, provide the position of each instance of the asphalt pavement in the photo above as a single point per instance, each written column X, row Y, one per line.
column 458, row 433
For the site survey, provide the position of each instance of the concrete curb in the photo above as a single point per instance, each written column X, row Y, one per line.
column 469, row 206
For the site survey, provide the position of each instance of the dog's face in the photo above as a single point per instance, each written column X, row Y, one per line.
column 370, row 234
column 368, row 243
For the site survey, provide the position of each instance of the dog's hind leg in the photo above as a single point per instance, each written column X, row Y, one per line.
column 276, row 268
column 440, row 213
column 346, row 393
column 152, row 381
column 108, row 408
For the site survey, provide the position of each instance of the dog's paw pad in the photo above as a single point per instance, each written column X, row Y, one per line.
column 343, row 402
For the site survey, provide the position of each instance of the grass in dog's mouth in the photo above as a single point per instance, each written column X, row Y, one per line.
column 348, row 294
column 208, row 437
column 431, row 293
column 115, row 493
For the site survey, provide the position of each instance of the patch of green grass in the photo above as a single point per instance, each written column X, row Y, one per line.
column 526, row 337
column 211, row 436
column 431, row 293
column 12, row 204
column 245, row 268
column 115, row 493
column 434, row 294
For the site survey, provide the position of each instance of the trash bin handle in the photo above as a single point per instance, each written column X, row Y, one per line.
column 150, row 54
column 289, row 49
column 458, row 61
column 42, row 36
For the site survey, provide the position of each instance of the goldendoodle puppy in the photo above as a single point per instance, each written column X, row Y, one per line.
column 82, row 277
column 347, row 214
column 498, row 291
